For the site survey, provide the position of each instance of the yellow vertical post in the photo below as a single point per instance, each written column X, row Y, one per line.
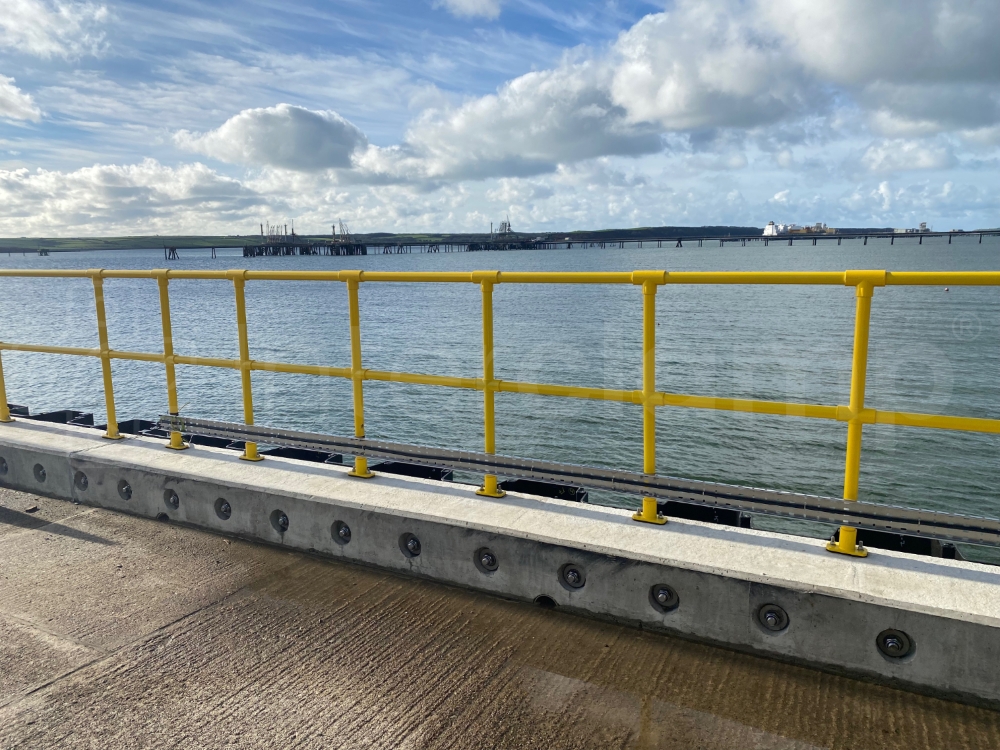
column 102, row 335
column 176, row 440
column 4, row 409
column 848, row 541
column 239, row 285
column 357, row 373
column 489, row 488
column 649, row 513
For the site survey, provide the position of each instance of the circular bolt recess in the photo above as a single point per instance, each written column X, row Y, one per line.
column 3, row 466
column 279, row 521
column 894, row 644
column 486, row 560
column 171, row 499
column 772, row 618
column 39, row 471
column 223, row 509
column 409, row 545
column 124, row 490
column 80, row 480
column 341, row 533
column 663, row 597
column 573, row 576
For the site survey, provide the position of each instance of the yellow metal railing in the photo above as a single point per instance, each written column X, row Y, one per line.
column 855, row 413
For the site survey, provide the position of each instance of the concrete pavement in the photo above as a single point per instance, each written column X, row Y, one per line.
column 123, row 632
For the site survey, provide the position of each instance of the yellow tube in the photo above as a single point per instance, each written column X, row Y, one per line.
column 73, row 350
column 239, row 284
column 135, row 356
column 357, row 373
column 937, row 421
column 649, row 512
column 332, row 372
column 847, row 543
column 490, row 487
column 754, row 406
column 436, row 277
column 566, row 391
column 447, row 381
column 574, row 277
column 904, row 278
column 49, row 274
column 102, row 335
column 292, row 276
column 755, row 277
column 4, row 409
column 176, row 440
column 231, row 364
column 943, row 278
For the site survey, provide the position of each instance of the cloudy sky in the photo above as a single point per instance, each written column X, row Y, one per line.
column 181, row 116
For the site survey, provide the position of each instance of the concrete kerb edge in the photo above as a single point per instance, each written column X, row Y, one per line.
column 619, row 516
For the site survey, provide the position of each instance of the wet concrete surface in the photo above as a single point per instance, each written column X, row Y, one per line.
column 120, row 632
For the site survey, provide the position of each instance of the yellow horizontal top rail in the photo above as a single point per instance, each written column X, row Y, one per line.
column 855, row 414
column 811, row 278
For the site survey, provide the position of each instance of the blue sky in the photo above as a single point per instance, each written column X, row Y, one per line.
column 445, row 115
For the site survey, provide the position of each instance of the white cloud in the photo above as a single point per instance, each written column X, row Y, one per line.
column 146, row 197
column 901, row 155
column 854, row 42
column 530, row 126
column 664, row 72
column 471, row 8
column 762, row 72
column 284, row 136
column 52, row 28
column 15, row 104
column 921, row 66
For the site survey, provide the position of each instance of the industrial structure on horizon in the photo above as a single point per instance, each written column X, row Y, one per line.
column 776, row 230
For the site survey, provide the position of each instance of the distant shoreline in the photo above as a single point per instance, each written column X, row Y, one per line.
column 191, row 242
column 158, row 242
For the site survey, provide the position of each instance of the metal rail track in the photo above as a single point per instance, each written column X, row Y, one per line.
column 826, row 510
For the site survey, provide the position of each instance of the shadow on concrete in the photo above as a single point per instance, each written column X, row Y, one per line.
column 11, row 517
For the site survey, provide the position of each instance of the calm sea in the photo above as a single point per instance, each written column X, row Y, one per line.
column 932, row 350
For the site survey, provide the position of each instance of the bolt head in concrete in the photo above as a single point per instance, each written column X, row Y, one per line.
column 573, row 576
column 171, row 499
column 772, row 618
column 413, row 545
column 486, row 560
column 344, row 532
column 894, row 644
column 124, row 490
column 663, row 597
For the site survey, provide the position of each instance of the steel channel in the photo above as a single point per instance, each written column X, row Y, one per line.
column 834, row 511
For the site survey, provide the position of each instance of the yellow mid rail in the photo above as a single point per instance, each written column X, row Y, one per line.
column 855, row 413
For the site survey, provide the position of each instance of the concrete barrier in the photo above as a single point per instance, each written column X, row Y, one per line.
column 926, row 624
